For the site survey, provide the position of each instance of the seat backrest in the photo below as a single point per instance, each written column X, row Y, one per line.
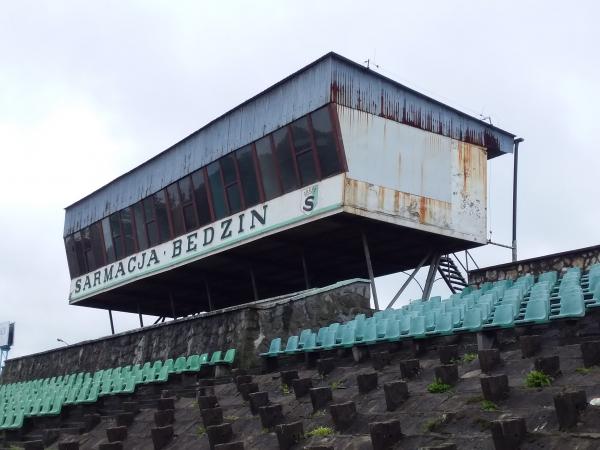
column 536, row 309
column 275, row 345
column 472, row 318
column 572, row 302
column 292, row 344
column 504, row 314
column 417, row 325
column 443, row 323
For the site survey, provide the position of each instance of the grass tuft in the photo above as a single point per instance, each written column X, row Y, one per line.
column 285, row 389
column 469, row 357
column 437, row 387
column 200, row 431
column 320, row 432
column 537, row 379
column 487, row 405
column 583, row 370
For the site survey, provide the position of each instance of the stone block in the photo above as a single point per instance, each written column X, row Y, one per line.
column 243, row 379
column 343, row 415
column 301, row 386
column 166, row 403
column 410, row 368
column 71, row 445
column 164, row 418
column 258, row 399
column 34, row 445
column 111, row 446
column 447, row 374
column 207, row 401
column 91, row 420
column 590, row 352
column 568, row 406
column 212, row 416
column 116, row 434
column 219, row 434
column 270, row 415
column 166, row 393
column 289, row 434
column 495, row 387
column 320, row 397
column 238, row 445
column 319, row 447
column 448, row 354
column 444, row 446
column 359, row 354
column 508, row 434
column 380, row 359
column 287, row 376
column 366, row 382
column 132, row 407
column 161, row 436
column 489, row 359
column 124, row 419
column 385, row 435
column 247, row 389
column 396, row 393
column 325, row 366
column 530, row 345
column 550, row 365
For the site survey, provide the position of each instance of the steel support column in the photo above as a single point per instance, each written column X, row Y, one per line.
column 140, row 316
column 171, row 299
column 370, row 269
column 433, row 267
column 514, row 217
column 210, row 308
column 112, row 325
column 254, row 289
column 410, row 278
column 305, row 270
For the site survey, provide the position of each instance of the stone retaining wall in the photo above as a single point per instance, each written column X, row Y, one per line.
column 248, row 328
column 583, row 257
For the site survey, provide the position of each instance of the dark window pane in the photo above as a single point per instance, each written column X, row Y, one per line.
column 72, row 256
column 189, row 217
column 151, row 226
column 127, row 224
column 80, row 254
column 201, row 198
column 88, row 255
column 325, row 142
column 115, row 228
column 140, row 226
column 301, row 135
column 108, row 245
column 234, row 199
column 248, row 176
column 97, row 248
column 268, row 169
column 306, row 167
column 185, row 188
column 176, row 212
column 285, row 160
column 216, row 188
column 162, row 218
column 228, row 168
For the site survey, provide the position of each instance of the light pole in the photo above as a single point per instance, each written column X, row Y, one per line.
column 60, row 340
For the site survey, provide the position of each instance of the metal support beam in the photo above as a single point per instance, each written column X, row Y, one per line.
column 433, row 267
column 140, row 316
column 171, row 299
column 370, row 269
column 410, row 278
column 112, row 325
column 514, row 218
column 305, row 270
column 253, row 279
column 210, row 307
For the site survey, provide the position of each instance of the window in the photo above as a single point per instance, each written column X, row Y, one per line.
column 232, row 187
column 81, row 263
column 245, row 160
column 127, row 229
column 108, row 244
column 216, row 190
column 325, row 142
column 97, row 247
column 201, row 197
column 304, row 151
column 162, row 217
column 140, row 226
column 72, row 256
column 115, row 229
column 187, row 203
column 285, row 159
column 176, row 210
column 268, row 169
column 151, row 226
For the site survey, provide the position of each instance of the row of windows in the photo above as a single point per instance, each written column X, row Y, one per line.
column 297, row 155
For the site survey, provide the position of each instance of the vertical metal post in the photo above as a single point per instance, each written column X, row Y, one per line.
column 370, row 269
column 112, row 325
column 305, row 270
column 140, row 316
column 172, row 304
column 254, row 290
column 210, row 307
column 435, row 263
column 514, row 221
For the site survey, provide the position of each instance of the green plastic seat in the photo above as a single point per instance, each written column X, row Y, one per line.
column 348, row 339
column 311, row 343
column 381, row 328
column 417, row 327
column 304, row 336
column 106, row 387
column 472, row 320
column 170, row 365
column 404, row 324
column 291, row 346
column 92, row 394
column 370, row 335
column 321, row 336
column 215, row 358
column 572, row 304
column 229, row 356
column 430, row 318
column 162, row 375
column 192, row 364
column 274, row 348
column 329, row 341
column 536, row 311
column 504, row 316
column 443, row 324
column 180, row 364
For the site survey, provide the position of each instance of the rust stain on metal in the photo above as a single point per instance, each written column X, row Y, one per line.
column 380, row 197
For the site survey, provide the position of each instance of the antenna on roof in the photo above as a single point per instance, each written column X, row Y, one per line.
column 486, row 118
column 368, row 63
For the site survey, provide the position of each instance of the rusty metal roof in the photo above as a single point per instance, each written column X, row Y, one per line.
column 331, row 78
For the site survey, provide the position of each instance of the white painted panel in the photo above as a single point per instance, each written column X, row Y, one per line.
column 4, row 334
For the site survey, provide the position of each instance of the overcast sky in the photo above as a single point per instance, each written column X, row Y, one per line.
column 89, row 90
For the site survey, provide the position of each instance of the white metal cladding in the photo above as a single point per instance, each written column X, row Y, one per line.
column 411, row 177
column 331, row 78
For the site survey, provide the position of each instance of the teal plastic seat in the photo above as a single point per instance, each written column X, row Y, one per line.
column 430, row 317
column 381, row 328
column 348, row 339
column 472, row 320
column 170, row 365
column 216, row 358
column 536, row 311
column 370, row 336
column 311, row 343
column 443, row 324
column 329, row 341
column 274, row 348
column 404, row 324
column 193, row 364
column 572, row 304
column 417, row 327
column 321, row 336
column 292, row 345
column 180, row 364
column 229, row 357
column 304, row 336
column 504, row 316
column 392, row 330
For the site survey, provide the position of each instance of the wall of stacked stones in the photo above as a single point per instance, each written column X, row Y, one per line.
column 248, row 328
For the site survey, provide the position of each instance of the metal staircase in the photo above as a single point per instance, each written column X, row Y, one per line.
column 452, row 274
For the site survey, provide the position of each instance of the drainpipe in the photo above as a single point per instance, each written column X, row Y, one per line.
column 514, row 217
